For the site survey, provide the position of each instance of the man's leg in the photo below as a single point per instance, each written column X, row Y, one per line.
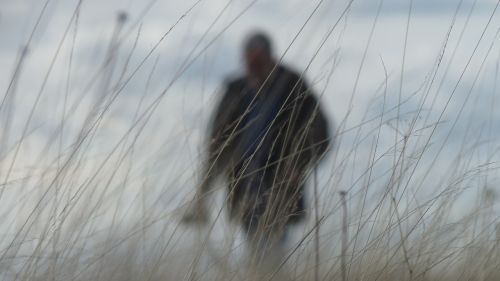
column 266, row 247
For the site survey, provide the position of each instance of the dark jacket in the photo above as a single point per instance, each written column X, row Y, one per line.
column 268, row 189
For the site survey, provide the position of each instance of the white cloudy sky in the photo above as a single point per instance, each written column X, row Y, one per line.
column 159, row 37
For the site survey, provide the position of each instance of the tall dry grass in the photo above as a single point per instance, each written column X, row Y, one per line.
column 98, row 195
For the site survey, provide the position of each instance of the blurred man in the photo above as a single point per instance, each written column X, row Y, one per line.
column 267, row 133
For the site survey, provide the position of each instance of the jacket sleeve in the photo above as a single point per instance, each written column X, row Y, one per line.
column 312, row 138
column 220, row 132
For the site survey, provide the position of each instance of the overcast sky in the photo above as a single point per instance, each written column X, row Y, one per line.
column 180, row 53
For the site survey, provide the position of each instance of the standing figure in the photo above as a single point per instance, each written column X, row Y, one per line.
column 268, row 132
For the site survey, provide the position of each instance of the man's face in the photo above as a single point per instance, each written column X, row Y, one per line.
column 256, row 62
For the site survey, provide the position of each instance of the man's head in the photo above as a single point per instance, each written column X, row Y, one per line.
column 258, row 55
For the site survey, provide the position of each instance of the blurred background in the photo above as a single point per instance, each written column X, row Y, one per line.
column 105, row 104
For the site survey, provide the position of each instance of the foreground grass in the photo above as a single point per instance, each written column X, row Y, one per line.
column 94, row 176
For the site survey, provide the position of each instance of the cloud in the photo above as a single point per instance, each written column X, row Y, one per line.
column 425, row 7
column 178, row 124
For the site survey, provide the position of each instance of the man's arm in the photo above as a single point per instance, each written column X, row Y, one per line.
column 216, row 154
column 312, row 135
column 220, row 134
column 316, row 128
